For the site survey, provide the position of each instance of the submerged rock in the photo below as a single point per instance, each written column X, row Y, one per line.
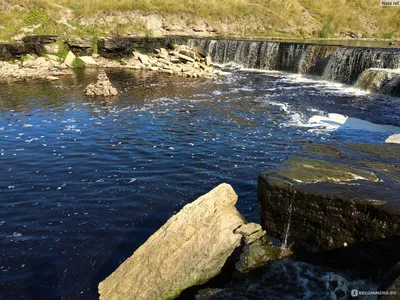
column 102, row 87
column 330, row 196
column 256, row 254
column 384, row 81
column 188, row 250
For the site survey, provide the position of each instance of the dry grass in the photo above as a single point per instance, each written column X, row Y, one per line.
column 288, row 18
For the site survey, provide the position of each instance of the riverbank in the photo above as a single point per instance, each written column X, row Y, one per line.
column 234, row 19
column 179, row 60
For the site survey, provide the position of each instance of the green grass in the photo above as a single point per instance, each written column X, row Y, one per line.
column 35, row 17
column 78, row 63
column 24, row 57
column 95, row 45
column 327, row 30
column 388, row 35
column 63, row 49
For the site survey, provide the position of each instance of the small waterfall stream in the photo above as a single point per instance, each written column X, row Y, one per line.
column 285, row 246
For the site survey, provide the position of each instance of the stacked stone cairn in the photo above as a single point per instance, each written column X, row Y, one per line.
column 102, row 87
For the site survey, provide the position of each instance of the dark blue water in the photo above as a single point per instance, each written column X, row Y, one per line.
column 84, row 182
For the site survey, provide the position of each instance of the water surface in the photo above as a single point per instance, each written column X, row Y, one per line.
column 84, row 182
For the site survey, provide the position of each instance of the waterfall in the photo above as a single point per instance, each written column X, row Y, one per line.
column 346, row 64
column 315, row 59
column 335, row 63
column 383, row 81
column 285, row 245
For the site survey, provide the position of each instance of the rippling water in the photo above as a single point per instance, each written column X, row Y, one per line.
column 83, row 182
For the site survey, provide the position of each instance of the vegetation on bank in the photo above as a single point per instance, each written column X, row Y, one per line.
column 240, row 18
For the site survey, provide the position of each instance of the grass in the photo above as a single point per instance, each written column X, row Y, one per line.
column 95, row 44
column 78, row 63
column 327, row 30
column 387, row 35
column 63, row 49
column 260, row 18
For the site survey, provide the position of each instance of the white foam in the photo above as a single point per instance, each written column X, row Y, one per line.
column 332, row 122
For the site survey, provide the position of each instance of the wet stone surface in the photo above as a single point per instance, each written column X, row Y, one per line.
column 330, row 196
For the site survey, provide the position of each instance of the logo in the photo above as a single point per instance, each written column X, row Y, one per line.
column 354, row 293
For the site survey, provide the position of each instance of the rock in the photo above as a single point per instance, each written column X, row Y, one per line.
column 189, row 249
column 102, row 87
column 256, row 255
column 172, row 46
column 199, row 50
column 254, row 236
column 144, row 59
column 393, row 139
column 208, row 61
column 52, row 78
column 70, row 59
column 175, row 60
column 188, row 53
column 113, row 91
column 333, row 195
column 53, row 57
column 88, row 60
column 248, row 229
column 51, row 48
column 42, row 62
column 185, row 58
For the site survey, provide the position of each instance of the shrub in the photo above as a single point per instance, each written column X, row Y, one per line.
column 24, row 57
column 63, row 49
column 388, row 35
column 327, row 30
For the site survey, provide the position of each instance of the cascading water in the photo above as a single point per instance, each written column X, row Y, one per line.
column 285, row 245
column 346, row 64
column 334, row 63
column 380, row 80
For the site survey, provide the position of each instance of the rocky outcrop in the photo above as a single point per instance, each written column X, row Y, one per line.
column 331, row 196
column 31, row 67
column 102, row 87
column 180, row 61
column 383, row 81
column 188, row 250
column 256, row 248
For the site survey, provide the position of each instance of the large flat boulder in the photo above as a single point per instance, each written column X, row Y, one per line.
column 188, row 250
column 328, row 196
